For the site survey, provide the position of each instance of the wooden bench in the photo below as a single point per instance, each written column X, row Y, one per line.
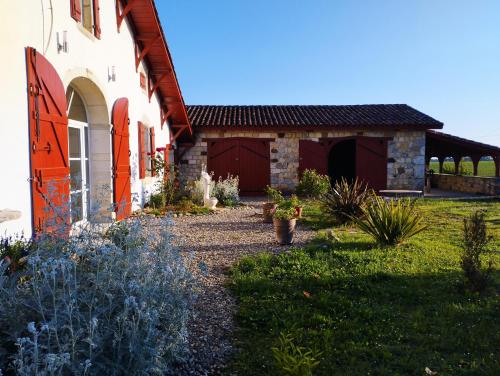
column 400, row 193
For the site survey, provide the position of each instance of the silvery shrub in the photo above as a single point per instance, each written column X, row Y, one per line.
column 227, row 190
column 101, row 302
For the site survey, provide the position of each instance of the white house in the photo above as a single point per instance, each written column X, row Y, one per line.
column 89, row 91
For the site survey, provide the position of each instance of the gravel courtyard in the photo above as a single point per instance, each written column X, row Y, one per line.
column 218, row 241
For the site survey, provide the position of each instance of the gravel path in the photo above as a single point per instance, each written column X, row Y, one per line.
column 220, row 240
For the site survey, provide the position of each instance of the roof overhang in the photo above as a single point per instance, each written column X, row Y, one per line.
column 444, row 145
column 152, row 49
column 312, row 128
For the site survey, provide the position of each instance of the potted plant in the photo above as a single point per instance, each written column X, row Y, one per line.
column 284, row 220
column 274, row 197
column 297, row 204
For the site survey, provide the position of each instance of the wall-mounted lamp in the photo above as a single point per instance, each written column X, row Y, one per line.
column 62, row 45
column 111, row 74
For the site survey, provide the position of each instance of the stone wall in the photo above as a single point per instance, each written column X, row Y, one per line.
column 405, row 167
column 468, row 184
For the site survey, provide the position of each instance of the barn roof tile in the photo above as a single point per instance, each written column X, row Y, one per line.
column 287, row 116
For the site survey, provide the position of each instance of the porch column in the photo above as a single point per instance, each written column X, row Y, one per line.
column 456, row 160
column 441, row 163
column 475, row 163
column 496, row 158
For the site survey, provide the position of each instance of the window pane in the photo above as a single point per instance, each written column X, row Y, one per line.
column 74, row 143
column 75, row 171
column 76, row 207
column 87, row 15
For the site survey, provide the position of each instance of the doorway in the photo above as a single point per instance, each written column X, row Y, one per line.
column 342, row 161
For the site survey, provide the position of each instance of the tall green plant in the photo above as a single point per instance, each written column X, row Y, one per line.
column 390, row 222
column 474, row 244
column 346, row 200
column 294, row 360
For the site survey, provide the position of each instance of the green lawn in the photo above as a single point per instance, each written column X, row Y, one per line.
column 485, row 168
column 372, row 311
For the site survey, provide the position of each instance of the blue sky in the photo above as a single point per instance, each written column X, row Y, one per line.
column 439, row 56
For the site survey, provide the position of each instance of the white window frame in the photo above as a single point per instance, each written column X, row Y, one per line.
column 84, row 160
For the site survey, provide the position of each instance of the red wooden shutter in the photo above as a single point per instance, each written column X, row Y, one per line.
column 153, row 150
column 142, row 152
column 313, row 156
column 97, row 19
column 122, row 195
column 48, row 132
column 76, row 10
column 371, row 161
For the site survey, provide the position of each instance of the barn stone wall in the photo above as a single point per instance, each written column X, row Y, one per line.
column 405, row 167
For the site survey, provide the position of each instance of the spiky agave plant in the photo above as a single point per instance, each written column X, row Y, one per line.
column 390, row 222
column 345, row 200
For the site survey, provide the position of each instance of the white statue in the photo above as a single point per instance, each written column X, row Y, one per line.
column 209, row 202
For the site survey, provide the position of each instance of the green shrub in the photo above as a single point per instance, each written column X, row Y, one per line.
column 346, row 200
column 156, row 201
column 285, row 213
column 312, row 184
column 13, row 250
column 273, row 195
column 390, row 222
column 294, row 360
column 185, row 205
column 474, row 243
column 295, row 202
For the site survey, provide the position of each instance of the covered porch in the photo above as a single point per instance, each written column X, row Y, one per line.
column 444, row 146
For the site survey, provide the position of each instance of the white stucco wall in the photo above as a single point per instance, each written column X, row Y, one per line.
column 35, row 24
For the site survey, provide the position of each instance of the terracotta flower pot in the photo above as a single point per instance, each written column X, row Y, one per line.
column 298, row 210
column 267, row 209
column 285, row 229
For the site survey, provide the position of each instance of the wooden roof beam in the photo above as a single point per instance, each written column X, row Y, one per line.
column 120, row 15
column 147, row 45
column 154, row 84
column 164, row 116
column 179, row 132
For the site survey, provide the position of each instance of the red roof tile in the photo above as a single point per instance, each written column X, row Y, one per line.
column 378, row 115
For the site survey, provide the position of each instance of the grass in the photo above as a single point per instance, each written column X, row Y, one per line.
column 372, row 311
column 485, row 168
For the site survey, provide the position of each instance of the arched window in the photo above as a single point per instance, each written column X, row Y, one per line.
column 78, row 130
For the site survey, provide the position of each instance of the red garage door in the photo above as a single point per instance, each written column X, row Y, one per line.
column 247, row 158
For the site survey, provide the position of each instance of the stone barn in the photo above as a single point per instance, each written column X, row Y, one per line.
column 383, row 145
